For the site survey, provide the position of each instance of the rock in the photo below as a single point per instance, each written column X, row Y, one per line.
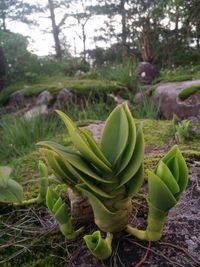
column 140, row 96
column 36, row 111
column 44, row 98
column 118, row 99
column 167, row 94
column 63, row 97
column 17, row 99
column 147, row 72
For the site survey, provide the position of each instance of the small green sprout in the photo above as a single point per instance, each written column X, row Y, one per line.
column 59, row 210
column 100, row 247
column 166, row 185
column 182, row 131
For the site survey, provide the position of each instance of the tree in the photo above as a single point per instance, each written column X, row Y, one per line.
column 82, row 16
column 19, row 60
column 16, row 10
column 58, row 9
column 2, row 69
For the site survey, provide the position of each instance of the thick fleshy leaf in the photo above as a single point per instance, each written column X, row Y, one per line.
column 75, row 160
column 136, row 159
column 81, row 144
column 51, row 198
column 57, row 205
column 172, row 164
column 183, row 172
column 13, row 192
column 128, row 152
column 62, row 215
column 99, row 247
column 159, row 194
column 115, row 135
column 134, row 185
column 94, row 147
column 5, row 172
column 93, row 186
column 170, row 154
column 105, row 219
column 59, row 167
column 166, row 176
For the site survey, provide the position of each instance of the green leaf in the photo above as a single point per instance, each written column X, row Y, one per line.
column 59, row 167
column 81, row 144
column 5, row 172
column 128, row 152
column 170, row 154
column 12, row 193
column 172, row 164
column 183, row 172
column 99, row 247
column 62, row 215
column 115, row 135
column 57, row 205
column 166, row 176
column 134, row 185
column 159, row 194
column 75, row 160
column 51, row 199
column 105, row 219
column 94, row 187
column 135, row 161
column 94, row 147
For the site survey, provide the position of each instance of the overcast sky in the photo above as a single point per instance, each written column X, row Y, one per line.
column 42, row 42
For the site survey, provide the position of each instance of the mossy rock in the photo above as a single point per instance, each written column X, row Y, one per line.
column 187, row 92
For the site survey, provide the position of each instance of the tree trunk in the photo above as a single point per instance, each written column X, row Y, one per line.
column 84, row 42
column 177, row 15
column 124, row 31
column 55, row 30
column 81, row 210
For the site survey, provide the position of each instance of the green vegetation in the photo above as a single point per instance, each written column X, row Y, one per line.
column 187, row 92
column 116, row 178
column 166, row 184
column 10, row 190
column 179, row 74
column 182, row 131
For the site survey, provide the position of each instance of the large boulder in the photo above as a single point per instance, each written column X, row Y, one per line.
column 167, row 94
column 64, row 97
column 44, row 98
column 17, row 99
column 147, row 72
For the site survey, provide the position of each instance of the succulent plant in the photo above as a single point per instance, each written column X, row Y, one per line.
column 99, row 247
column 166, row 185
column 108, row 174
column 59, row 210
column 10, row 190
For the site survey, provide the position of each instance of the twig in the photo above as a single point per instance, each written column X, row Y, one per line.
column 144, row 257
column 184, row 250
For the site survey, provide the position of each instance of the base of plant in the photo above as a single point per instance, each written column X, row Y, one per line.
column 143, row 235
column 73, row 235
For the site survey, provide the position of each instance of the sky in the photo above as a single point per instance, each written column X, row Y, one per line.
column 41, row 42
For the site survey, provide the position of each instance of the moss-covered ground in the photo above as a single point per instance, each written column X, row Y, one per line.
column 29, row 237
column 56, row 83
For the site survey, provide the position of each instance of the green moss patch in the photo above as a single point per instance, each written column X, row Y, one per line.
column 79, row 86
column 187, row 92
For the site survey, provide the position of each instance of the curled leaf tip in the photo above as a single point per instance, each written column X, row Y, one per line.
column 99, row 247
